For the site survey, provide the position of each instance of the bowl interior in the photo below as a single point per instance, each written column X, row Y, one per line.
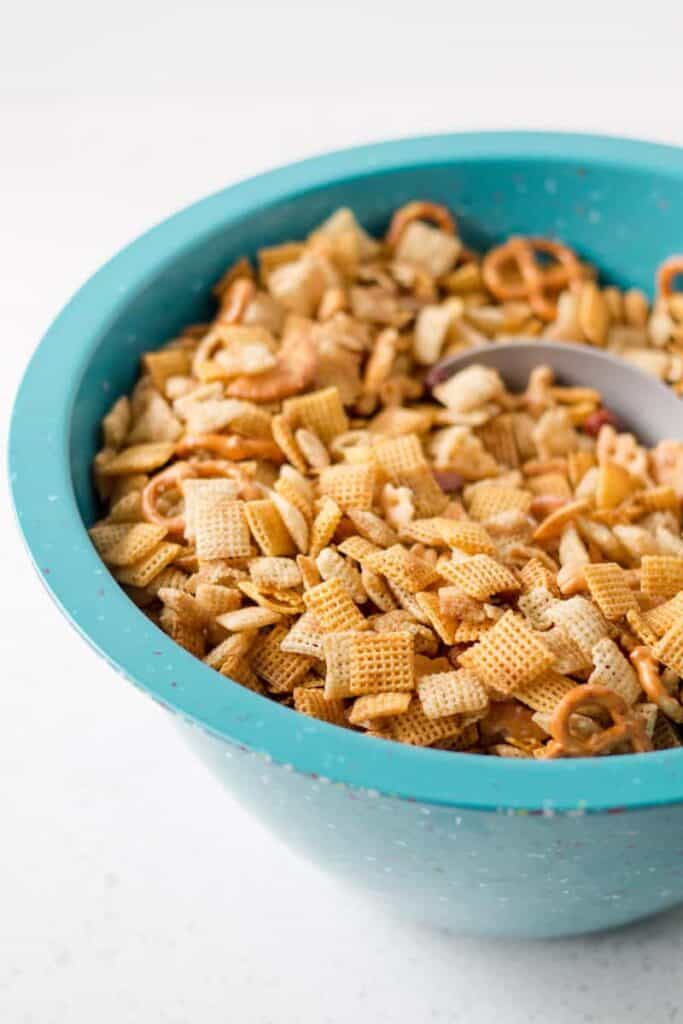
column 623, row 219
column 619, row 203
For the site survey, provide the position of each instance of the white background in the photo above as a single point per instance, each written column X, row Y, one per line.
column 132, row 889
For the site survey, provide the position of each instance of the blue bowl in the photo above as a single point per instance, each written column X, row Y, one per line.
column 464, row 842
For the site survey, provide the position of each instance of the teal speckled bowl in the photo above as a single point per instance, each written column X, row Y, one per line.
column 464, row 842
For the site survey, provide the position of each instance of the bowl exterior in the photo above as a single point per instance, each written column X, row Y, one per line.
column 515, row 874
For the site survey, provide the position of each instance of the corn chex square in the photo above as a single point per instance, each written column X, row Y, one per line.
column 350, row 486
column 489, row 500
column 268, row 529
column 608, row 585
column 669, row 649
column 375, row 706
column 333, row 607
column 613, row 670
column 316, row 705
column 221, row 529
column 381, row 662
column 403, row 568
column 452, row 693
column 663, row 617
column 661, row 575
column 319, row 411
column 415, row 728
column 281, row 670
column 398, row 454
column 479, row 576
column 470, row 537
column 546, row 691
column 509, row 656
column 144, row 571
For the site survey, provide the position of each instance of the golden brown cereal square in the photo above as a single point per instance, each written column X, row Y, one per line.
column 357, row 548
column 402, row 567
column 350, row 486
column 377, row 589
column 221, row 529
column 583, row 622
column 535, row 574
column 139, row 541
column 425, row 531
column 638, row 625
column 452, row 693
column 372, row 528
column 281, row 670
column 669, row 649
column 268, row 529
column 472, row 538
column 248, row 618
column 381, row 662
column 287, row 602
column 331, row 563
column 274, row 573
column 144, row 571
column 608, row 585
column 319, row 411
column 534, row 606
column 398, row 454
column 376, row 706
column 444, row 625
column 305, row 637
column 415, row 728
column 469, row 632
column 613, row 670
column 283, row 435
column 139, row 458
column 661, row 618
column 314, row 704
column 661, row 575
column 240, row 672
column 333, row 607
column 200, row 494
column 479, row 576
column 498, row 437
column 183, row 633
column 428, row 498
column 546, row 691
column 488, row 500
column 549, row 483
column 107, row 535
column 127, row 509
column 216, row 599
column 185, row 605
column 337, row 651
column 326, row 521
column 665, row 734
column 232, row 649
column 509, row 656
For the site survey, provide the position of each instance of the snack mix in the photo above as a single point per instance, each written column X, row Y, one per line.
column 302, row 494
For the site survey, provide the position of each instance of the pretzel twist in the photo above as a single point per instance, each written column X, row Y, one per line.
column 418, row 210
column 535, row 281
column 668, row 271
column 649, row 677
column 626, row 725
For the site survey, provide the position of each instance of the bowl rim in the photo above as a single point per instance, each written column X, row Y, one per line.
column 67, row 564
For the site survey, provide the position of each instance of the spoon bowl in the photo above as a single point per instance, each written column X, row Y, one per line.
column 642, row 404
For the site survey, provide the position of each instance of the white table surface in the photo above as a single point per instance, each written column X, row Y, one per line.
column 132, row 888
